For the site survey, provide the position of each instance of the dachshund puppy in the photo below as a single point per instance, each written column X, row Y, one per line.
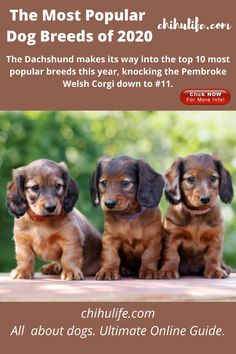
column 129, row 191
column 41, row 196
column 193, row 225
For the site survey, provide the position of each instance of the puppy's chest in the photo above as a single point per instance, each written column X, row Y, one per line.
column 198, row 234
column 132, row 237
column 45, row 244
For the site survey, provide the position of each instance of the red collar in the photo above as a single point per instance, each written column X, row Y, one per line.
column 36, row 217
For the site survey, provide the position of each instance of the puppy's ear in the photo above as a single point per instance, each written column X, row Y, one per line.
column 71, row 190
column 94, row 182
column 226, row 191
column 150, row 186
column 172, row 182
column 16, row 201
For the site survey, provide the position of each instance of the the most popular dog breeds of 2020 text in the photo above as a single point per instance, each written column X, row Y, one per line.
column 193, row 225
column 129, row 191
column 41, row 196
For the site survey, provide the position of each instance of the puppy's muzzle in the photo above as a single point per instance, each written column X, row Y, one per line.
column 110, row 203
column 205, row 199
column 50, row 208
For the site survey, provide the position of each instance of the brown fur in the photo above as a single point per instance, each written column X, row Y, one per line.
column 194, row 230
column 133, row 244
column 60, row 234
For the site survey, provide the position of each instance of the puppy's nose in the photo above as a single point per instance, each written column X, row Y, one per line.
column 205, row 199
column 50, row 208
column 110, row 203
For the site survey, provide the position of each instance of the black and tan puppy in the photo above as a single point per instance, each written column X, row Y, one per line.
column 41, row 196
column 129, row 191
column 193, row 225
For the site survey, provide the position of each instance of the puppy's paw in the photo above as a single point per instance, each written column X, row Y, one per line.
column 53, row 268
column 168, row 274
column 107, row 275
column 148, row 274
column 215, row 273
column 226, row 268
column 21, row 274
column 72, row 274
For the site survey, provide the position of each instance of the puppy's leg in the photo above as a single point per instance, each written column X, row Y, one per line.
column 72, row 260
column 212, row 259
column 53, row 268
column 170, row 267
column 150, row 258
column 110, row 260
column 25, row 260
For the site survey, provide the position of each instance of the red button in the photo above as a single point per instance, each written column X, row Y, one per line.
column 205, row 96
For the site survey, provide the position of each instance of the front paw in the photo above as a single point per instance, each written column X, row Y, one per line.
column 72, row 274
column 226, row 268
column 104, row 274
column 148, row 274
column 21, row 274
column 169, row 273
column 53, row 268
column 215, row 273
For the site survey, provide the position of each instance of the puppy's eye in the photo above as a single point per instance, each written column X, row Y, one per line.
column 58, row 186
column 191, row 179
column 103, row 183
column 125, row 183
column 35, row 188
column 213, row 178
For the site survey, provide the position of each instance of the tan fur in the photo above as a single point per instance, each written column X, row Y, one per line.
column 194, row 231
column 132, row 244
column 139, row 240
column 65, row 238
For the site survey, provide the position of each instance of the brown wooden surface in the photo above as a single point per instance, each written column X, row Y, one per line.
column 51, row 288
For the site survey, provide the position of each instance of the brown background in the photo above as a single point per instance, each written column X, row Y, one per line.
column 67, row 314
column 46, row 94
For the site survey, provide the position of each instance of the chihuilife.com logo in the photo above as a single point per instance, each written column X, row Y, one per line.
column 192, row 24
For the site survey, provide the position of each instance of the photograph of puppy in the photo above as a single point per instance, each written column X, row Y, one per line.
column 41, row 197
column 129, row 191
column 193, row 226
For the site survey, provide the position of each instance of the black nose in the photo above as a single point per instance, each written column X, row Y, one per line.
column 205, row 199
column 110, row 204
column 50, row 208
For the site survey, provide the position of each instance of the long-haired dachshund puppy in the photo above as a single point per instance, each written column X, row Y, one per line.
column 193, row 225
column 129, row 191
column 41, row 196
